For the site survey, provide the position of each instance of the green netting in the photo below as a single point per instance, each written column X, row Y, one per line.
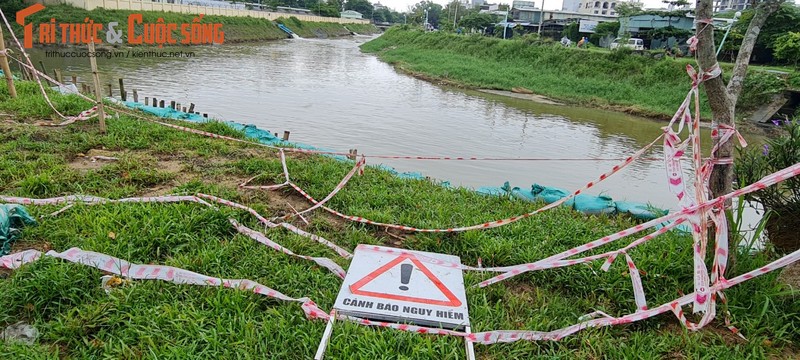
column 12, row 218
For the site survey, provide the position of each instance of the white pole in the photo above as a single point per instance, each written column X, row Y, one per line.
column 426, row 19
column 541, row 18
column 469, row 345
column 505, row 26
column 735, row 17
column 326, row 336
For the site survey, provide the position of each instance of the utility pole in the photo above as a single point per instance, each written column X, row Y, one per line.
column 505, row 25
column 458, row 5
column 541, row 19
column 426, row 19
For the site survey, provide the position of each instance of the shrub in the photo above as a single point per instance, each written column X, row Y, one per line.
column 782, row 199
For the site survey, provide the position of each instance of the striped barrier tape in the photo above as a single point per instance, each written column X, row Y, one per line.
column 29, row 64
column 171, row 274
column 255, row 235
column 490, row 224
column 507, row 336
column 768, row 180
column 180, row 276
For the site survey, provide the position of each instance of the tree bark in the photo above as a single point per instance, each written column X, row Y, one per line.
column 721, row 98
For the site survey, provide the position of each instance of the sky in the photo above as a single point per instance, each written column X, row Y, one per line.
column 403, row 5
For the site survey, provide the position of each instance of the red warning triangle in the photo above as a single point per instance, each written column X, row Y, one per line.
column 452, row 300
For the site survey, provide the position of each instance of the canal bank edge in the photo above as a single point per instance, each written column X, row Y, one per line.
column 158, row 160
column 237, row 29
column 584, row 203
column 615, row 81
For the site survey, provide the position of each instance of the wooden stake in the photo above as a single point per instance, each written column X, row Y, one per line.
column 44, row 71
column 135, row 96
column 191, row 107
column 110, row 90
column 155, row 102
column 161, row 104
column 178, row 106
column 75, row 79
column 184, row 109
column 205, row 115
column 12, row 91
column 59, row 77
column 101, row 114
column 147, row 100
column 172, row 104
column 122, row 93
column 285, row 136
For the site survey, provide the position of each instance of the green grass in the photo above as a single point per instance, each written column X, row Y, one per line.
column 153, row 319
column 616, row 80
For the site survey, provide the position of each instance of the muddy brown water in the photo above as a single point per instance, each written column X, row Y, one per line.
column 329, row 94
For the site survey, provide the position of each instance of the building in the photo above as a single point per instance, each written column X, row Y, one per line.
column 350, row 14
column 378, row 6
column 571, row 5
column 598, row 7
column 476, row 3
column 554, row 20
column 722, row 5
column 523, row 4
column 524, row 11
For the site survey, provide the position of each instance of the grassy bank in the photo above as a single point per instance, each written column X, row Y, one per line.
column 152, row 319
column 237, row 29
column 616, row 80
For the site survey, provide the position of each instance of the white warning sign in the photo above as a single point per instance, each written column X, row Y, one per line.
column 404, row 286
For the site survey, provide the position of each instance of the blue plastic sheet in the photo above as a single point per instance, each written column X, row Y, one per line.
column 589, row 204
column 12, row 218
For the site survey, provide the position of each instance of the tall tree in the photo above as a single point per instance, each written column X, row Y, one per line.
column 363, row 6
column 626, row 8
column 418, row 12
column 722, row 97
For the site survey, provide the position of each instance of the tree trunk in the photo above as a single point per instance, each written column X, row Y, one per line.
column 721, row 98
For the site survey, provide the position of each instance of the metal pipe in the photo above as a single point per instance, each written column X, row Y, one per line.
column 735, row 17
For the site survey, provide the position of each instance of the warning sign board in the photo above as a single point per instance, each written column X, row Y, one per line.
column 404, row 286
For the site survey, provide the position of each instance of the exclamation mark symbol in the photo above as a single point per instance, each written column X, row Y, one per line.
column 405, row 275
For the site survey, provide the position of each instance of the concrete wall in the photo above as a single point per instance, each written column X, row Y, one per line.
column 194, row 9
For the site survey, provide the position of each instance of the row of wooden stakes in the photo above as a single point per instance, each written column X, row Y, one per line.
column 123, row 94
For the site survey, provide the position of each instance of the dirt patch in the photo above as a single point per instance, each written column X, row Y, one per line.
column 714, row 329
column 170, row 166
column 94, row 159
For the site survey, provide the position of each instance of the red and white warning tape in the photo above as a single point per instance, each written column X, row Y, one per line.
column 172, row 274
column 180, row 276
column 255, row 235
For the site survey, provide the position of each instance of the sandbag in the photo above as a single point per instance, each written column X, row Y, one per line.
column 550, row 194
column 639, row 210
column 12, row 218
column 590, row 204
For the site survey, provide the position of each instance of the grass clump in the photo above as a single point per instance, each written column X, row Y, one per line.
column 155, row 319
column 617, row 79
